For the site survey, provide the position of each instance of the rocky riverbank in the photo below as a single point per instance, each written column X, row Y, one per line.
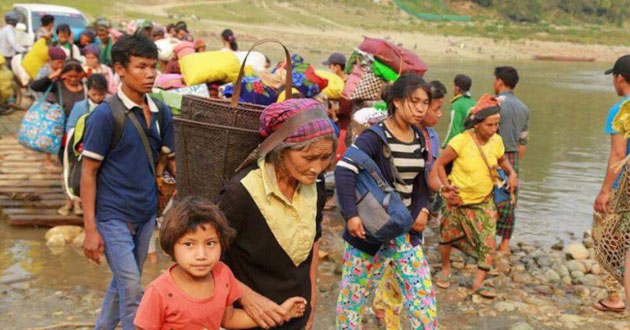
column 538, row 287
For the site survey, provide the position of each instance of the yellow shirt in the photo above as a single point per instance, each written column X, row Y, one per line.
column 470, row 173
column 291, row 222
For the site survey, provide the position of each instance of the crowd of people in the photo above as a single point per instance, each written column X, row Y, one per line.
column 249, row 258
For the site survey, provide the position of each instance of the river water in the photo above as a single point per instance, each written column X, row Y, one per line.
column 560, row 175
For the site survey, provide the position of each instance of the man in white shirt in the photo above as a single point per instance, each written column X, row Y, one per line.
column 9, row 46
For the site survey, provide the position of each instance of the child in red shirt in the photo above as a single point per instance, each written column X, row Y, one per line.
column 198, row 291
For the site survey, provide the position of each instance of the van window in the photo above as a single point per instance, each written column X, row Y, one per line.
column 74, row 20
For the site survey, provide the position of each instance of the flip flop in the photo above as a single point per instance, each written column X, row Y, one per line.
column 485, row 292
column 442, row 281
column 605, row 308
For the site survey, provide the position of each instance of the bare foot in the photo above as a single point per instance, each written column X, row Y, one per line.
column 295, row 306
column 379, row 314
column 50, row 166
column 153, row 258
column 610, row 305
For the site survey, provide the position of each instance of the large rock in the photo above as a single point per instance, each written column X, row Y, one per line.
column 544, row 261
column 596, row 270
column 575, row 265
column 522, row 278
column 67, row 233
column 570, row 321
column 509, row 306
column 588, row 242
column 550, row 276
column 576, row 251
column 561, row 269
column 588, row 264
column 591, row 280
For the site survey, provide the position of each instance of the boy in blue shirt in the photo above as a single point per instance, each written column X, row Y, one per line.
column 118, row 185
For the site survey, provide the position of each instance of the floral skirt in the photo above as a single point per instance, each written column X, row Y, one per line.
column 471, row 229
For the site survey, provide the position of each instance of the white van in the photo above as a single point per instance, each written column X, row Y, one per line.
column 29, row 20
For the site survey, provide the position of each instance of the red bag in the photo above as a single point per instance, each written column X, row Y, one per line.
column 315, row 79
column 397, row 58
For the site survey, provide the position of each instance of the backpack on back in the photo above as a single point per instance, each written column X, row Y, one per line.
column 73, row 160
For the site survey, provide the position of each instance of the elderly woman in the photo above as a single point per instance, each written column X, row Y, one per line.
column 275, row 205
column 399, row 150
column 92, row 54
column 470, row 215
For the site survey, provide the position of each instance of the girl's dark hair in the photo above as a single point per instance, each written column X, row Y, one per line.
column 170, row 26
column 72, row 65
column 402, row 89
column 228, row 36
column 136, row 45
column 97, row 81
column 189, row 215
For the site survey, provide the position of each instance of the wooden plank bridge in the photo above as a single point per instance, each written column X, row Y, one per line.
column 30, row 194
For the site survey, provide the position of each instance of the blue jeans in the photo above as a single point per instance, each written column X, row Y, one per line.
column 126, row 246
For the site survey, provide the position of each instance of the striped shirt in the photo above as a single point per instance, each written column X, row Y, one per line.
column 409, row 163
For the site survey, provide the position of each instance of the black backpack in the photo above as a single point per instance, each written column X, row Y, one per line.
column 73, row 162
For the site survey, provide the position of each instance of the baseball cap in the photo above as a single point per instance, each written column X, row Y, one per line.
column 622, row 66
column 335, row 58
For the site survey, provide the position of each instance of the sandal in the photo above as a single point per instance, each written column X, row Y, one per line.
column 485, row 292
column 600, row 306
column 379, row 314
column 65, row 210
column 442, row 281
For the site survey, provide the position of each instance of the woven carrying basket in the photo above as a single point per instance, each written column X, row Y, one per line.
column 611, row 233
column 213, row 137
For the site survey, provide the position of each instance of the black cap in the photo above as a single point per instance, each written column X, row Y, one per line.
column 622, row 66
column 335, row 58
column 463, row 82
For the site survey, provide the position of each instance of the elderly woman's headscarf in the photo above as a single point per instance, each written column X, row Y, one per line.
column 56, row 53
column 487, row 106
column 275, row 115
column 93, row 49
column 307, row 120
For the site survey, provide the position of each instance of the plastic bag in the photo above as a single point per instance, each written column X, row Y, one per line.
column 35, row 58
column 209, row 67
column 335, row 84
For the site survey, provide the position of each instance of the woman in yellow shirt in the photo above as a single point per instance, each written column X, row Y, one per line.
column 469, row 216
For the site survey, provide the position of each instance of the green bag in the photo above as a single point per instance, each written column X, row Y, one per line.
column 383, row 71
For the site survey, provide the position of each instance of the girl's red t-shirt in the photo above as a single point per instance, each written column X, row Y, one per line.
column 165, row 306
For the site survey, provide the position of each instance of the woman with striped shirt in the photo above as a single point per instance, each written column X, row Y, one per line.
column 408, row 100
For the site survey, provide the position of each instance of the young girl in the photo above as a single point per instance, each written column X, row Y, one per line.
column 96, row 90
column 364, row 262
column 198, row 290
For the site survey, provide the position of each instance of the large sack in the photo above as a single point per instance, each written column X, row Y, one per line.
column 6, row 83
column 18, row 70
column 216, row 66
column 42, row 126
column 35, row 58
column 256, row 60
column 165, row 48
column 397, row 58
column 335, row 84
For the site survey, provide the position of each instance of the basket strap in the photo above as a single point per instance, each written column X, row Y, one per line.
column 288, row 83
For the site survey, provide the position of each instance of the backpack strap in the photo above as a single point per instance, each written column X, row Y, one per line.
column 118, row 110
column 120, row 114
